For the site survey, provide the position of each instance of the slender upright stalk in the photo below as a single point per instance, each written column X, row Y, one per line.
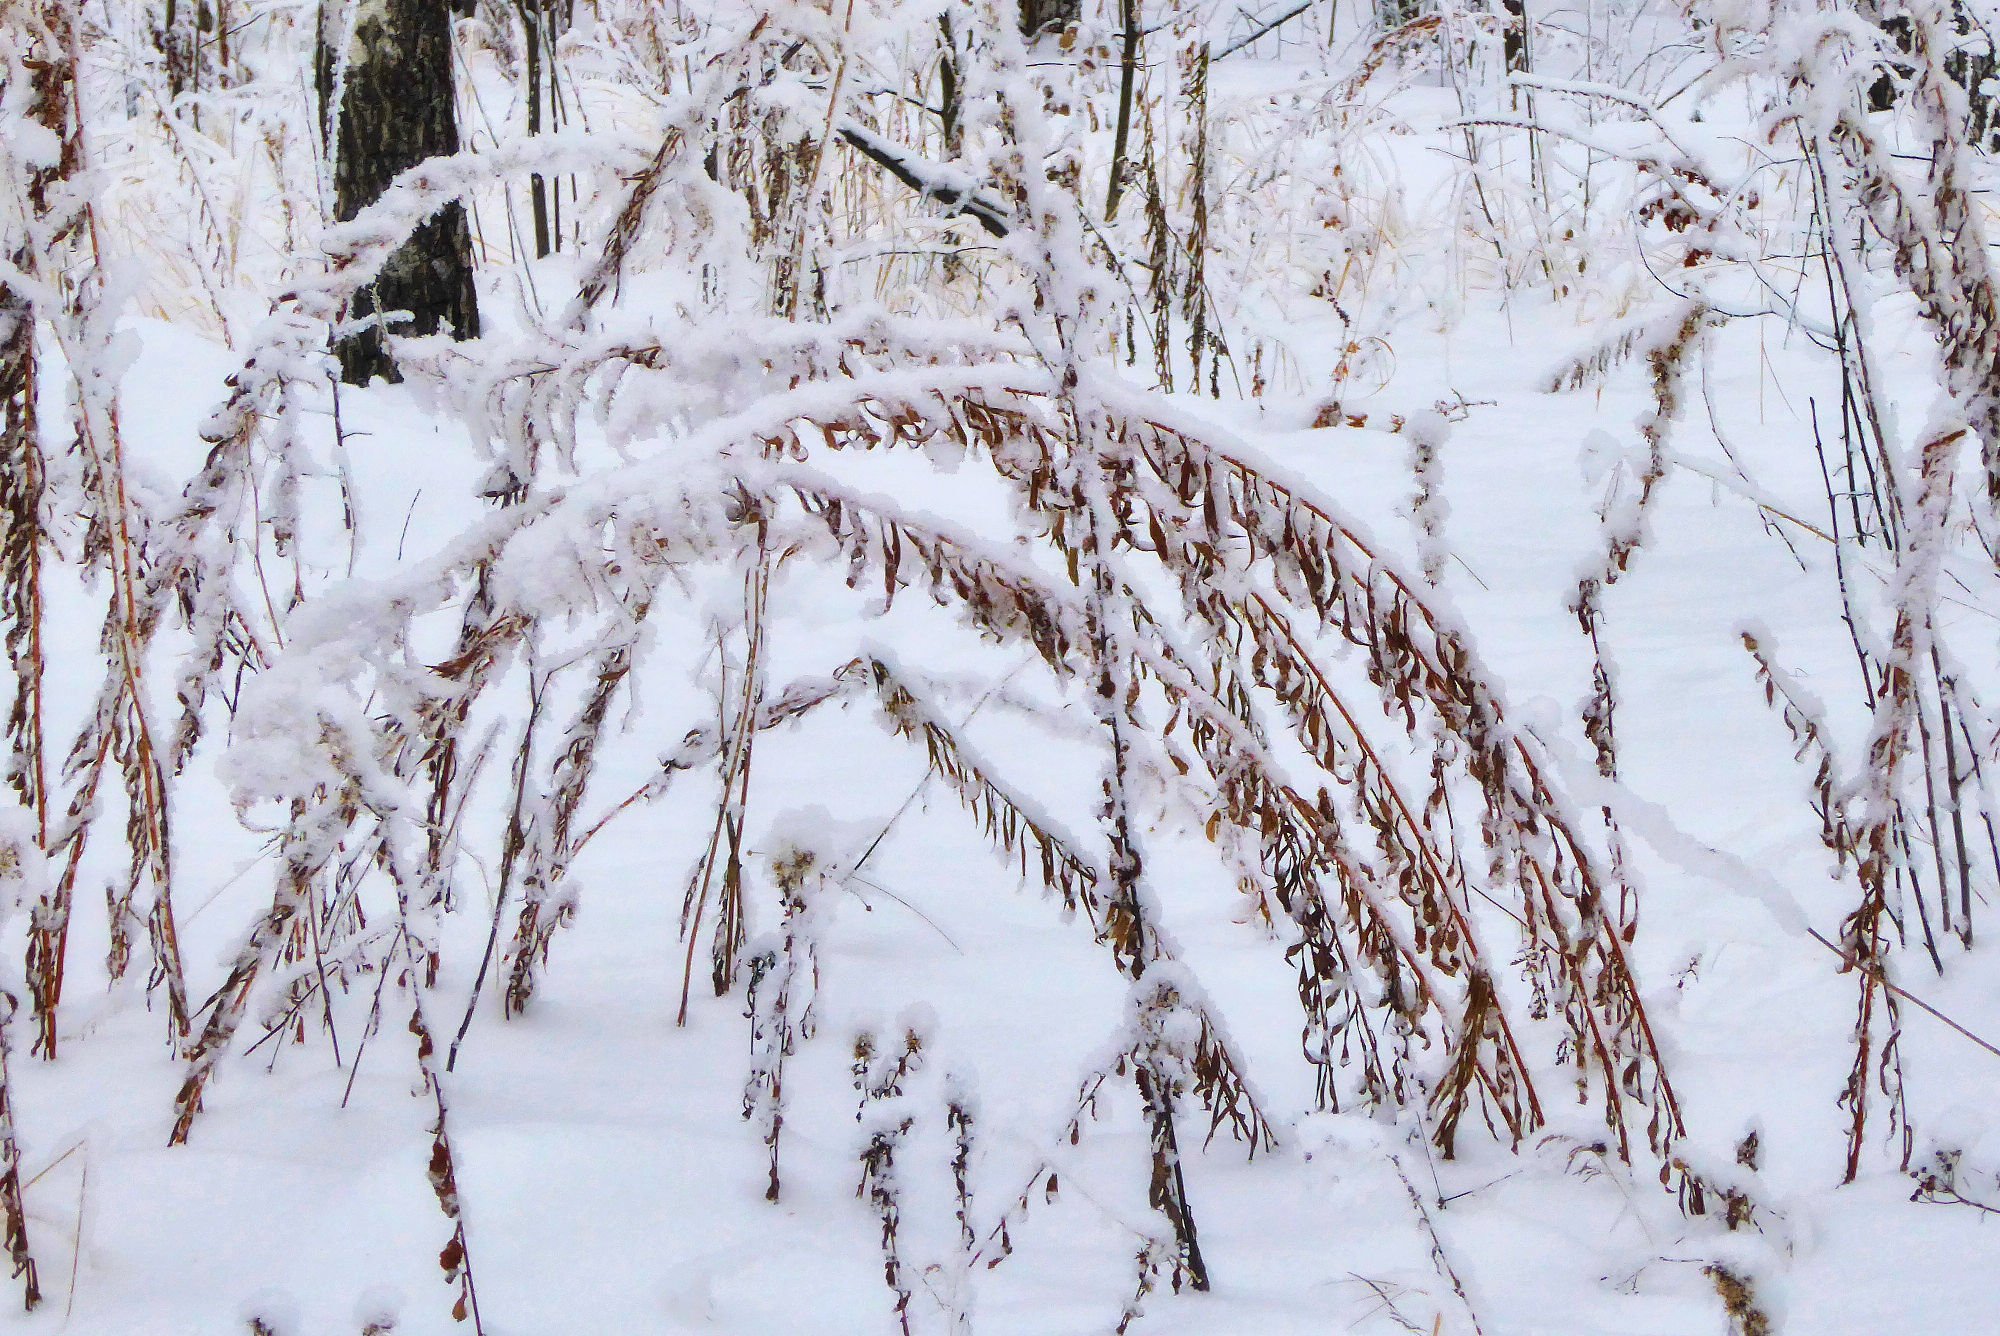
column 1128, row 73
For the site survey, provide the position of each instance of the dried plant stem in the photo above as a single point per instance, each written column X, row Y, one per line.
column 232, row 999
column 1439, row 1257
column 554, row 845
column 724, row 853
column 456, row 1258
column 120, row 726
column 1114, row 689
column 23, row 477
column 22, row 485
column 13, row 1211
column 511, row 844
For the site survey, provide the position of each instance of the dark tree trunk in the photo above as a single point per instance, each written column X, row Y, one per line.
column 1970, row 61
column 948, row 99
column 542, row 23
column 1973, row 65
column 398, row 109
column 1514, row 38
column 1037, row 15
column 1882, row 93
column 1393, row 14
column 179, row 39
column 1128, row 70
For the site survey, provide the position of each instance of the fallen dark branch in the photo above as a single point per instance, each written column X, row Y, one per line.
column 1848, row 962
column 927, row 178
column 1265, row 30
column 935, row 180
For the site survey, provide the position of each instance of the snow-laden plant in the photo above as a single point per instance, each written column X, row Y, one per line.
column 809, row 246
column 1909, row 810
column 83, row 503
column 1256, row 669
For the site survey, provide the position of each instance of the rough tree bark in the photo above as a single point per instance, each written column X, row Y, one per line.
column 396, row 108
column 178, row 36
column 1973, row 62
column 1128, row 69
column 1039, row 14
